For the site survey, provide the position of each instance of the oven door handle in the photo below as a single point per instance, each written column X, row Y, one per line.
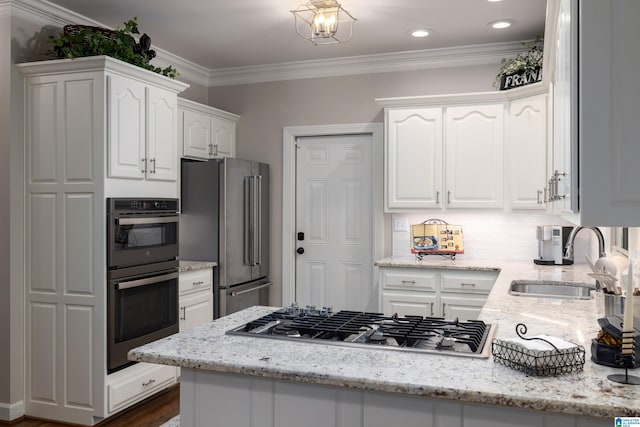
column 154, row 220
column 143, row 282
column 246, row 291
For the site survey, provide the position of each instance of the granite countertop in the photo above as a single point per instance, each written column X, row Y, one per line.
column 195, row 265
column 587, row 393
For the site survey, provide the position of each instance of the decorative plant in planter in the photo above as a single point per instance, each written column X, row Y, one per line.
column 78, row 41
column 524, row 69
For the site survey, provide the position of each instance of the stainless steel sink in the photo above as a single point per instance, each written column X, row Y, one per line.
column 551, row 289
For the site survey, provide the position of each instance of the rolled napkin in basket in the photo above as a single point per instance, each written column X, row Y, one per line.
column 536, row 343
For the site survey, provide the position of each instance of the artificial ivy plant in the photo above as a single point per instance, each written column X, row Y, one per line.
column 78, row 41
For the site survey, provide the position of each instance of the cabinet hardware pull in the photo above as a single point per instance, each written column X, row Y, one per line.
column 437, row 197
column 143, row 168
column 468, row 284
column 153, row 161
column 444, row 313
column 215, row 149
column 431, row 309
column 210, row 149
column 538, row 194
column 546, row 191
column 148, row 383
column 409, row 281
column 184, row 313
column 449, row 197
column 200, row 282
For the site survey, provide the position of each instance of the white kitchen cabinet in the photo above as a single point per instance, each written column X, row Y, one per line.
column 434, row 292
column 196, row 309
column 137, row 383
column 597, row 103
column 85, row 119
column 413, row 168
column 526, row 148
column 460, row 306
column 472, row 137
column 473, row 156
column 207, row 132
column 449, row 151
column 196, row 298
column 142, row 123
column 409, row 303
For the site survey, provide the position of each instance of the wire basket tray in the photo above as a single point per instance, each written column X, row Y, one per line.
column 536, row 362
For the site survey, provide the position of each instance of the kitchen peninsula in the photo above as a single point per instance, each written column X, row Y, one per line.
column 235, row 380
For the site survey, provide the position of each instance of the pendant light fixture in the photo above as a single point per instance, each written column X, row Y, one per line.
column 323, row 22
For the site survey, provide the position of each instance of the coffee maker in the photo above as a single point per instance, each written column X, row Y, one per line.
column 551, row 242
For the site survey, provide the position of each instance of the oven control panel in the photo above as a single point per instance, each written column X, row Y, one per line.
column 141, row 205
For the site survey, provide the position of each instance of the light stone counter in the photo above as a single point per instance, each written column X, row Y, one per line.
column 586, row 393
column 195, row 265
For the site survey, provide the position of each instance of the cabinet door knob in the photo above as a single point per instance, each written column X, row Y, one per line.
column 300, row 251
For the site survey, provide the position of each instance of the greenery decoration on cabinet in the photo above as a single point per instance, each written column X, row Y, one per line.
column 525, row 68
column 78, row 41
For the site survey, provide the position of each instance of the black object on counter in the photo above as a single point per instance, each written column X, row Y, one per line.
column 610, row 355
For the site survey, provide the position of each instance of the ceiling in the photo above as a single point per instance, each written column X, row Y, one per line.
column 219, row 34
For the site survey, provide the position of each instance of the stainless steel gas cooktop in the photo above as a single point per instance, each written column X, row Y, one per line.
column 470, row 338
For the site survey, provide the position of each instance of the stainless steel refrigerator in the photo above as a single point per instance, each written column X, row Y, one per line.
column 225, row 218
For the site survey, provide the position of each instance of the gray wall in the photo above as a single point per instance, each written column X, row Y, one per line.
column 265, row 108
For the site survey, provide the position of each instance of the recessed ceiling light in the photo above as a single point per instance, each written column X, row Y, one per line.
column 420, row 32
column 492, row 1
column 502, row 23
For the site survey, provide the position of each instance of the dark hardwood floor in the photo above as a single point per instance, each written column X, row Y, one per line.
column 149, row 413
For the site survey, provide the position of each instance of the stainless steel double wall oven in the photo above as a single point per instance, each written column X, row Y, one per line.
column 142, row 274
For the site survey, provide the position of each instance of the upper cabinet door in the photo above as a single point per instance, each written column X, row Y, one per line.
column 196, row 134
column 224, row 137
column 126, row 125
column 413, row 165
column 526, row 145
column 162, row 135
column 473, row 157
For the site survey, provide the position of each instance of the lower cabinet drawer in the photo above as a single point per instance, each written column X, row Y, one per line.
column 409, row 278
column 468, row 281
column 137, row 382
column 196, row 280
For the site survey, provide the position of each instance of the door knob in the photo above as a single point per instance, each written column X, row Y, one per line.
column 300, row 250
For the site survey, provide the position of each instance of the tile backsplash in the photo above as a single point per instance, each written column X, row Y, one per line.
column 497, row 235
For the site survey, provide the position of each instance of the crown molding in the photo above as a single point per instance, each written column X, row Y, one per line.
column 463, row 56
column 463, row 98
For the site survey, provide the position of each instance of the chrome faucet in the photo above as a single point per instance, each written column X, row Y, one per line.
column 568, row 249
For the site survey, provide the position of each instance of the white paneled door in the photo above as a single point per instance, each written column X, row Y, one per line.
column 334, row 242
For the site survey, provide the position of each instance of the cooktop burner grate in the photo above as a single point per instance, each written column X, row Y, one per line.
column 409, row 333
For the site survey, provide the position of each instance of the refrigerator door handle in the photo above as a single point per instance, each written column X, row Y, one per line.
column 257, row 260
column 246, row 250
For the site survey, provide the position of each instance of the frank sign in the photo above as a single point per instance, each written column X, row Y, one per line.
column 520, row 79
